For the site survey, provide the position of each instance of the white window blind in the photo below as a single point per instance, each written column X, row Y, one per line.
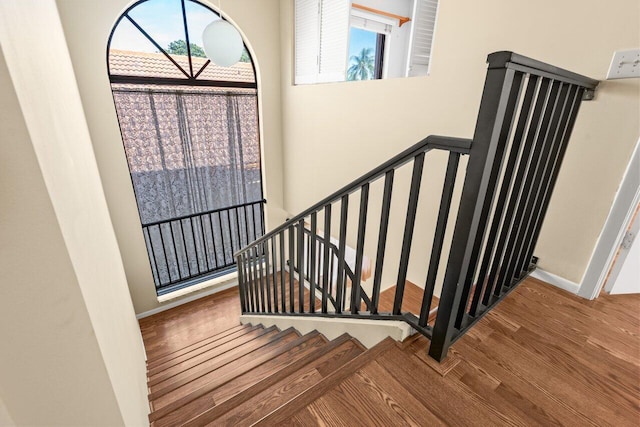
column 321, row 40
column 307, row 40
column 423, row 21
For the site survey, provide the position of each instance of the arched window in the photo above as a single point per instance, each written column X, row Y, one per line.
column 191, row 136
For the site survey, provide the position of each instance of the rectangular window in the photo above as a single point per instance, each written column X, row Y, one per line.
column 338, row 40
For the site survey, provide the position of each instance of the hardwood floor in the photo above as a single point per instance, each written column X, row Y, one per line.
column 541, row 357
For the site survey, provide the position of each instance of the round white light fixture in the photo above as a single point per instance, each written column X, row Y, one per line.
column 222, row 43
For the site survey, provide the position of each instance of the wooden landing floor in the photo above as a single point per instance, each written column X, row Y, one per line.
column 541, row 357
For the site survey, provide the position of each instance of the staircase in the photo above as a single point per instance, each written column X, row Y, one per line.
column 251, row 375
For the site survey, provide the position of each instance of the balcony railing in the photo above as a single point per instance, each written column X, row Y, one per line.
column 190, row 248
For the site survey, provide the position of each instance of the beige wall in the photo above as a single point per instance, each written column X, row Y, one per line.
column 348, row 128
column 87, row 24
column 71, row 350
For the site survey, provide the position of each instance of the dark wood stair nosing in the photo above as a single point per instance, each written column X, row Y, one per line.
column 152, row 358
column 165, row 410
column 286, row 411
column 269, row 337
column 234, row 401
column 159, row 379
column 152, row 364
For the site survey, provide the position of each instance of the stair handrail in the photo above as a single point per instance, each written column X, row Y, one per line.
column 431, row 142
column 526, row 117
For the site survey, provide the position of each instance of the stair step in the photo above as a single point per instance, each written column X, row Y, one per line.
column 196, row 376
column 244, row 382
column 201, row 360
column 302, row 400
column 236, row 331
column 179, row 333
column 242, row 366
column 254, row 403
column 373, row 397
column 436, row 393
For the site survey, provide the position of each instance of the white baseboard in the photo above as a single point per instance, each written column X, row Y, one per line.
column 192, row 297
column 557, row 281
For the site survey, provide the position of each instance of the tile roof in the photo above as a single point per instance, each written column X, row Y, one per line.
column 122, row 62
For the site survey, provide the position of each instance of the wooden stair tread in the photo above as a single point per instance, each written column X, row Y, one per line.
column 183, row 385
column 255, row 402
column 242, row 366
column 245, row 381
column 435, row 393
column 302, row 400
column 217, row 338
column 373, row 397
column 207, row 358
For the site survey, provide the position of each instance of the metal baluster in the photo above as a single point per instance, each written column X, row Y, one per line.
column 224, row 245
column 282, row 276
column 204, row 244
column 508, row 177
column 341, row 286
column 362, row 226
column 241, row 285
column 312, row 262
column 184, row 245
column 164, row 252
column 263, row 300
column 382, row 239
column 213, row 242
column 554, row 176
column 325, row 256
column 195, row 246
column 300, row 254
column 267, row 273
column 528, row 153
column 291, row 260
column 153, row 256
column 175, row 250
column 274, row 273
column 495, row 159
column 414, row 193
column 438, row 237
column 525, row 204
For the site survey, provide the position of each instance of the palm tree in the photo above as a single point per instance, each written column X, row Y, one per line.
column 362, row 65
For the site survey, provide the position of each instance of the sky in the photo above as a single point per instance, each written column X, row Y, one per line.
column 162, row 20
column 359, row 39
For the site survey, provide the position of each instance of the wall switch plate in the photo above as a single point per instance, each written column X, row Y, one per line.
column 625, row 64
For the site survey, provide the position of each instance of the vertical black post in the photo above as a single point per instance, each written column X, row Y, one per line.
column 495, row 99
column 438, row 237
column 414, row 193
column 313, row 262
column 282, row 284
column 341, row 284
column 516, row 149
column 382, row 239
column 267, row 273
column 274, row 274
column 251, row 282
column 241, row 285
column 291, row 268
column 325, row 255
column 362, row 226
column 301, row 265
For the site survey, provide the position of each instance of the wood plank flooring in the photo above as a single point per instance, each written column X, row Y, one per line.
column 541, row 357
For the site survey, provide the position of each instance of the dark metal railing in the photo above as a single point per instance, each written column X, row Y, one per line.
column 526, row 116
column 191, row 247
column 331, row 285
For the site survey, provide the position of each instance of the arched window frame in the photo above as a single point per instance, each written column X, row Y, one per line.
column 193, row 78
